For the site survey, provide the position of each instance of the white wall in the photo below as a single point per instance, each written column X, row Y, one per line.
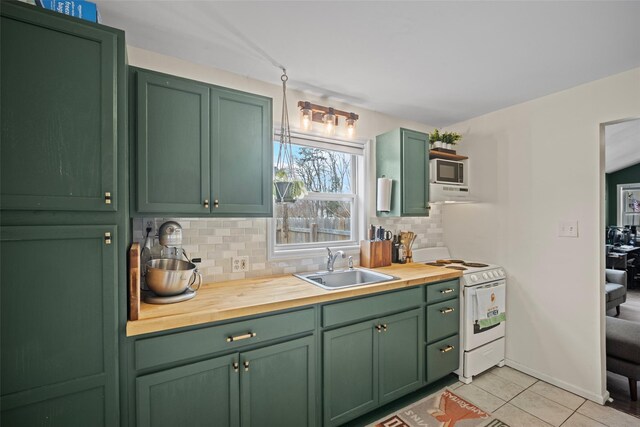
column 533, row 165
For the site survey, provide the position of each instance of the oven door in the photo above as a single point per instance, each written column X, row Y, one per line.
column 448, row 172
column 473, row 336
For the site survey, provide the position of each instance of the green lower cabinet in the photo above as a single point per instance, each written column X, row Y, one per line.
column 200, row 394
column 278, row 385
column 443, row 357
column 371, row 363
column 400, row 355
column 350, row 365
column 58, row 323
column 269, row 386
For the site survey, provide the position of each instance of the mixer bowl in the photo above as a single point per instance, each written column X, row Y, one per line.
column 167, row 276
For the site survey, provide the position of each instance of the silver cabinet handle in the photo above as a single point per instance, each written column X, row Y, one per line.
column 235, row 366
column 206, row 203
column 446, row 291
column 241, row 337
column 246, row 365
column 216, row 204
column 447, row 310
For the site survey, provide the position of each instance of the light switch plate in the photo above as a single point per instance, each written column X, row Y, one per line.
column 568, row 229
column 239, row 264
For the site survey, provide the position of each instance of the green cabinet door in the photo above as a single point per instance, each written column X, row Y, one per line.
column 241, row 154
column 196, row 395
column 350, row 375
column 400, row 354
column 415, row 173
column 172, row 145
column 58, row 112
column 278, row 384
column 58, row 326
column 403, row 156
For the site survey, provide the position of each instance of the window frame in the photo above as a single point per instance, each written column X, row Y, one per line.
column 359, row 175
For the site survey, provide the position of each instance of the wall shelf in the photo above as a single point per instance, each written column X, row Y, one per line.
column 446, row 156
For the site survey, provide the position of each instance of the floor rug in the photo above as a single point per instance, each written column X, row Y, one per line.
column 442, row 409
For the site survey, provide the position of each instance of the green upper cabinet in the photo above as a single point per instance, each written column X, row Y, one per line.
column 403, row 155
column 201, row 150
column 241, row 154
column 58, row 112
column 173, row 144
column 59, row 327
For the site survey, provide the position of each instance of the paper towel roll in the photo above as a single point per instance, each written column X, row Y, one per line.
column 384, row 194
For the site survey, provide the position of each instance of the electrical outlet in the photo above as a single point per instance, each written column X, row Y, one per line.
column 239, row 264
column 568, row 229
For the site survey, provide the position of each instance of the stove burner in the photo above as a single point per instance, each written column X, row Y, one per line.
column 435, row 264
column 456, row 267
column 474, row 264
column 443, row 261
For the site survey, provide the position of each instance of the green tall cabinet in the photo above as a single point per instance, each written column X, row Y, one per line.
column 63, row 225
column 202, row 150
column 403, row 155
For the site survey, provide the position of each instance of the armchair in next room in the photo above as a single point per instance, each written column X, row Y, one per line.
column 615, row 289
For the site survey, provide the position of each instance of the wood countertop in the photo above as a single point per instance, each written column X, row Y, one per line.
column 238, row 298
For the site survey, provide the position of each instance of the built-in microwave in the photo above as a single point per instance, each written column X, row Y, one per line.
column 447, row 172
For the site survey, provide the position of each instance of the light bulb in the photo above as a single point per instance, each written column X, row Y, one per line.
column 306, row 117
column 351, row 125
column 330, row 122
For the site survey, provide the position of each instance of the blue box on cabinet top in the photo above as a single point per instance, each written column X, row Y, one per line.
column 78, row 8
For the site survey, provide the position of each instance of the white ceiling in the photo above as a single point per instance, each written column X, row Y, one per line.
column 433, row 62
column 622, row 145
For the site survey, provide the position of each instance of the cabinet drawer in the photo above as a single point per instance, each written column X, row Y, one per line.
column 185, row 345
column 443, row 357
column 443, row 319
column 342, row 312
column 442, row 291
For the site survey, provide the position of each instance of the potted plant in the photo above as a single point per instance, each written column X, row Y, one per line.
column 450, row 139
column 285, row 189
column 435, row 139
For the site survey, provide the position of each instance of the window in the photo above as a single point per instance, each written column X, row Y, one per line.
column 330, row 213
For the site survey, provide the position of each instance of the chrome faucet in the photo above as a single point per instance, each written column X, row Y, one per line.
column 331, row 258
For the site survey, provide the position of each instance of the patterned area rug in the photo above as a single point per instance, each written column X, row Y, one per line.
column 442, row 409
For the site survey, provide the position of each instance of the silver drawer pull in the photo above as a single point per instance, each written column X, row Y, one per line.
column 446, row 291
column 447, row 348
column 241, row 337
column 447, row 310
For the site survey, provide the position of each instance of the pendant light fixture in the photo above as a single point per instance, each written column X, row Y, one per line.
column 328, row 116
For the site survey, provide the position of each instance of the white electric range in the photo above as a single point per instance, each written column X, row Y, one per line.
column 480, row 349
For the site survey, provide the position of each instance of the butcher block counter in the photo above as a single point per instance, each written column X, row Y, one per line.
column 238, row 298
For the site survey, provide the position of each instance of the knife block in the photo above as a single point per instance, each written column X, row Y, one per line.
column 375, row 254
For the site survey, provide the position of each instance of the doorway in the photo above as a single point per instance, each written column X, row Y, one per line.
column 620, row 166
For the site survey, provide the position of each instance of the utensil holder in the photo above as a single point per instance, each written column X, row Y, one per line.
column 375, row 254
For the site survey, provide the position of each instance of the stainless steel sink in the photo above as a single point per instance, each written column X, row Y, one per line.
column 345, row 278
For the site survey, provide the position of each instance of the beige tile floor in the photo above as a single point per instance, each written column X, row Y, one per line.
column 522, row 401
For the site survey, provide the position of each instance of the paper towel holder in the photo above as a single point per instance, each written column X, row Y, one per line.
column 383, row 196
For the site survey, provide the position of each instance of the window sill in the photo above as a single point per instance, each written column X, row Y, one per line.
column 318, row 252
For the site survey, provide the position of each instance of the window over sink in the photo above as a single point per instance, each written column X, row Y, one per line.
column 331, row 213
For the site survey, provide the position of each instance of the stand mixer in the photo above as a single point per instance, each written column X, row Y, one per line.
column 169, row 278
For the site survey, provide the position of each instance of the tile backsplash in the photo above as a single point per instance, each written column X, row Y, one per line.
column 216, row 240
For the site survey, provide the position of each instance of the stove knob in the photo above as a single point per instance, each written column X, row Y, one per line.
column 474, row 278
column 491, row 274
column 485, row 275
column 501, row 273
